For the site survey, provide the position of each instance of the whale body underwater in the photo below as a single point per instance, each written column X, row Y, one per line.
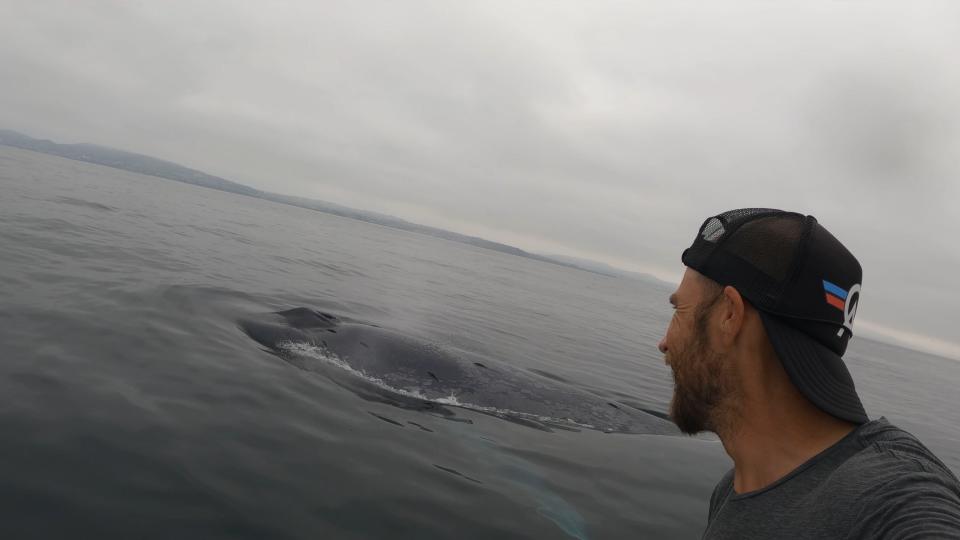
column 389, row 366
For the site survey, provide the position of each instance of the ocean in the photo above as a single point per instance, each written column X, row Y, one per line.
column 135, row 406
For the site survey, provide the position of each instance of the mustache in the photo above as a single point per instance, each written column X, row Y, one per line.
column 670, row 361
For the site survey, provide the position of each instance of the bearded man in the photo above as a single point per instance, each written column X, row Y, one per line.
column 761, row 320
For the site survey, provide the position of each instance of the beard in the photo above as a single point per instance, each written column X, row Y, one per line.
column 699, row 387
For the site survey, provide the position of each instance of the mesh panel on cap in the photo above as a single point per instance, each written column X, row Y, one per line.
column 769, row 244
column 753, row 249
column 739, row 214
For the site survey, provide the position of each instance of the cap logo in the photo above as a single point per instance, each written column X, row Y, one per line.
column 844, row 300
column 713, row 230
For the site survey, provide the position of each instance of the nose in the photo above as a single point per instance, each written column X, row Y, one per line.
column 663, row 345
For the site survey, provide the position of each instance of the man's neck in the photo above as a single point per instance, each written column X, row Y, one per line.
column 768, row 445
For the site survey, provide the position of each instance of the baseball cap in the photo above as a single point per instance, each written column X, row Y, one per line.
column 806, row 286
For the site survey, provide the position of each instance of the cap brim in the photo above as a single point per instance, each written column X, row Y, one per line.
column 819, row 373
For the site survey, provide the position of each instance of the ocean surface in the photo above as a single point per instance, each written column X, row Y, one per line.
column 132, row 404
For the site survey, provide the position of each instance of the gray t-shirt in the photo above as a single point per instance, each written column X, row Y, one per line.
column 877, row 482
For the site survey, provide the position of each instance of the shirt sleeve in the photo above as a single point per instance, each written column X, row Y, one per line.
column 919, row 504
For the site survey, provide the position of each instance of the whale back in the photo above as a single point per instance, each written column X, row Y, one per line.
column 404, row 364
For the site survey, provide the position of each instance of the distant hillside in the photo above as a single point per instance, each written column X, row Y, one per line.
column 138, row 163
column 127, row 161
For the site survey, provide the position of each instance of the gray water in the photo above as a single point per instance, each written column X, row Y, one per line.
column 133, row 406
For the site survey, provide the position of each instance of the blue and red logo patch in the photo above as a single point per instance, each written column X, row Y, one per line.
column 844, row 300
column 836, row 296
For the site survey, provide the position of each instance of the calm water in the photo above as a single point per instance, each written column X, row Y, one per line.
column 134, row 407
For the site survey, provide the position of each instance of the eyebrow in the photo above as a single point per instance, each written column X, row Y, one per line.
column 673, row 299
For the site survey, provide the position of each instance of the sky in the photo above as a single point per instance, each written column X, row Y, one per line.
column 597, row 129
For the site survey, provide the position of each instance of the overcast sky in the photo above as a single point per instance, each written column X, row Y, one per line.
column 607, row 130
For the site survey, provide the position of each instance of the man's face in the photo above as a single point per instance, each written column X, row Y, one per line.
column 698, row 374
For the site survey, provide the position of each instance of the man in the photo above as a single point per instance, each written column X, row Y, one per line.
column 761, row 321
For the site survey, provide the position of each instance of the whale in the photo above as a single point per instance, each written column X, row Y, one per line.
column 411, row 372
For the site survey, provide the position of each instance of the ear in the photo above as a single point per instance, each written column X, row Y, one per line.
column 731, row 312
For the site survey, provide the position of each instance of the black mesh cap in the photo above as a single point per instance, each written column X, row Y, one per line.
column 805, row 285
